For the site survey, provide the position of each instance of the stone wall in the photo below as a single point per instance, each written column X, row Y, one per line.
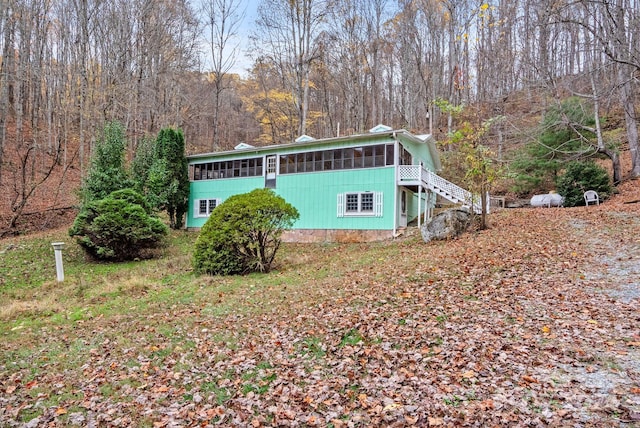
column 333, row 235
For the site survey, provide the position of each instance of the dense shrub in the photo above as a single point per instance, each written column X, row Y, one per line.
column 121, row 226
column 107, row 172
column 537, row 165
column 243, row 234
column 169, row 176
column 579, row 177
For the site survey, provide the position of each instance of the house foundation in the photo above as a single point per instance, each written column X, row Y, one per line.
column 335, row 235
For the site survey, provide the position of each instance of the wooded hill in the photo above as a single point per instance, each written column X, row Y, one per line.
column 319, row 67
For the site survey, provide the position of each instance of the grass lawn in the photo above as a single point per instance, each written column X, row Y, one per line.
column 532, row 322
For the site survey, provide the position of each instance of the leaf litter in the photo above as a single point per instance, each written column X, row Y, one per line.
column 533, row 322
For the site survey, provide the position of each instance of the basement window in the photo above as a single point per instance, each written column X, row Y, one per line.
column 204, row 207
column 360, row 204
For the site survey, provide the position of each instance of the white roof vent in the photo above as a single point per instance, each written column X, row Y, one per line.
column 243, row 146
column 380, row 128
column 303, row 138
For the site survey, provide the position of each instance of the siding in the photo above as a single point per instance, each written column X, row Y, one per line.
column 220, row 188
column 313, row 194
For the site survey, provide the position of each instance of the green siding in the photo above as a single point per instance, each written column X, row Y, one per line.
column 412, row 205
column 220, row 188
column 420, row 153
column 315, row 195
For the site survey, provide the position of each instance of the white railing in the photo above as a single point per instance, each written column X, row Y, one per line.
column 409, row 173
column 435, row 182
column 449, row 190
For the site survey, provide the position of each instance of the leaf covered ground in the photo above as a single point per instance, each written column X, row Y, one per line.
column 534, row 322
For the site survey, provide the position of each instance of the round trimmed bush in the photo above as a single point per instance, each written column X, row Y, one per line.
column 580, row 176
column 120, row 227
column 243, row 234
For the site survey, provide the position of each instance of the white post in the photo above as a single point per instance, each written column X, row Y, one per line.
column 57, row 248
column 419, row 200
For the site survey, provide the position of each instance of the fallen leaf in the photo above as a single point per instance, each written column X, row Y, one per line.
column 391, row 406
column 435, row 421
column 362, row 398
column 469, row 374
column 487, row 404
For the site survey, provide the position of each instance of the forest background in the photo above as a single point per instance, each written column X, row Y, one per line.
column 318, row 67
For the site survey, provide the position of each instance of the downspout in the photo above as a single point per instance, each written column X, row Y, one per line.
column 395, row 185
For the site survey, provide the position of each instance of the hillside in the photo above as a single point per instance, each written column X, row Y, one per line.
column 533, row 322
column 48, row 182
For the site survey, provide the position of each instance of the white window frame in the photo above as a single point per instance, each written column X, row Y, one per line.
column 211, row 203
column 376, row 211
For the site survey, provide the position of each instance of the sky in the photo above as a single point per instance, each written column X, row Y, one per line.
column 248, row 24
column 243, row 62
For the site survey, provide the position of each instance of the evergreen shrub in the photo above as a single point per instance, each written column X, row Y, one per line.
column 108, row 171
column 120, row 227
column 580, row 176
column 243, row 234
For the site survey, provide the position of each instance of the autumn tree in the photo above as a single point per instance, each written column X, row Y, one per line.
column 569, row 132
column 470, row 160
column 287, row 31
column 609, row 31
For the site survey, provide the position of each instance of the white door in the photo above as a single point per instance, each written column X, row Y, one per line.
column 270, row 172
column 403, row 208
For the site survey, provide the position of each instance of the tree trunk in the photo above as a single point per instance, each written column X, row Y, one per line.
column 4, row 78
column 625, row 76
column 611, row 154
column 627, row 99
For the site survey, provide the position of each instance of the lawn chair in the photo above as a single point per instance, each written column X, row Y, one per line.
column 590, row 196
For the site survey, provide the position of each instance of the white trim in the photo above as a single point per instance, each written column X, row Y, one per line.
column 380, row 128
column 340, row 204
column 377, row 206
column 211, row 203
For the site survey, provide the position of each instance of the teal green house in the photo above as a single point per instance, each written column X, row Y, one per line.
column 355, row 188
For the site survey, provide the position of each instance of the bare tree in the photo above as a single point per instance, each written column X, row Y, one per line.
column 613, row 25
column 287, row 31
column 223, row 19
column 8, row 33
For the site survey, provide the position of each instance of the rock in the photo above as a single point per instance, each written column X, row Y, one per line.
column 446, row 225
